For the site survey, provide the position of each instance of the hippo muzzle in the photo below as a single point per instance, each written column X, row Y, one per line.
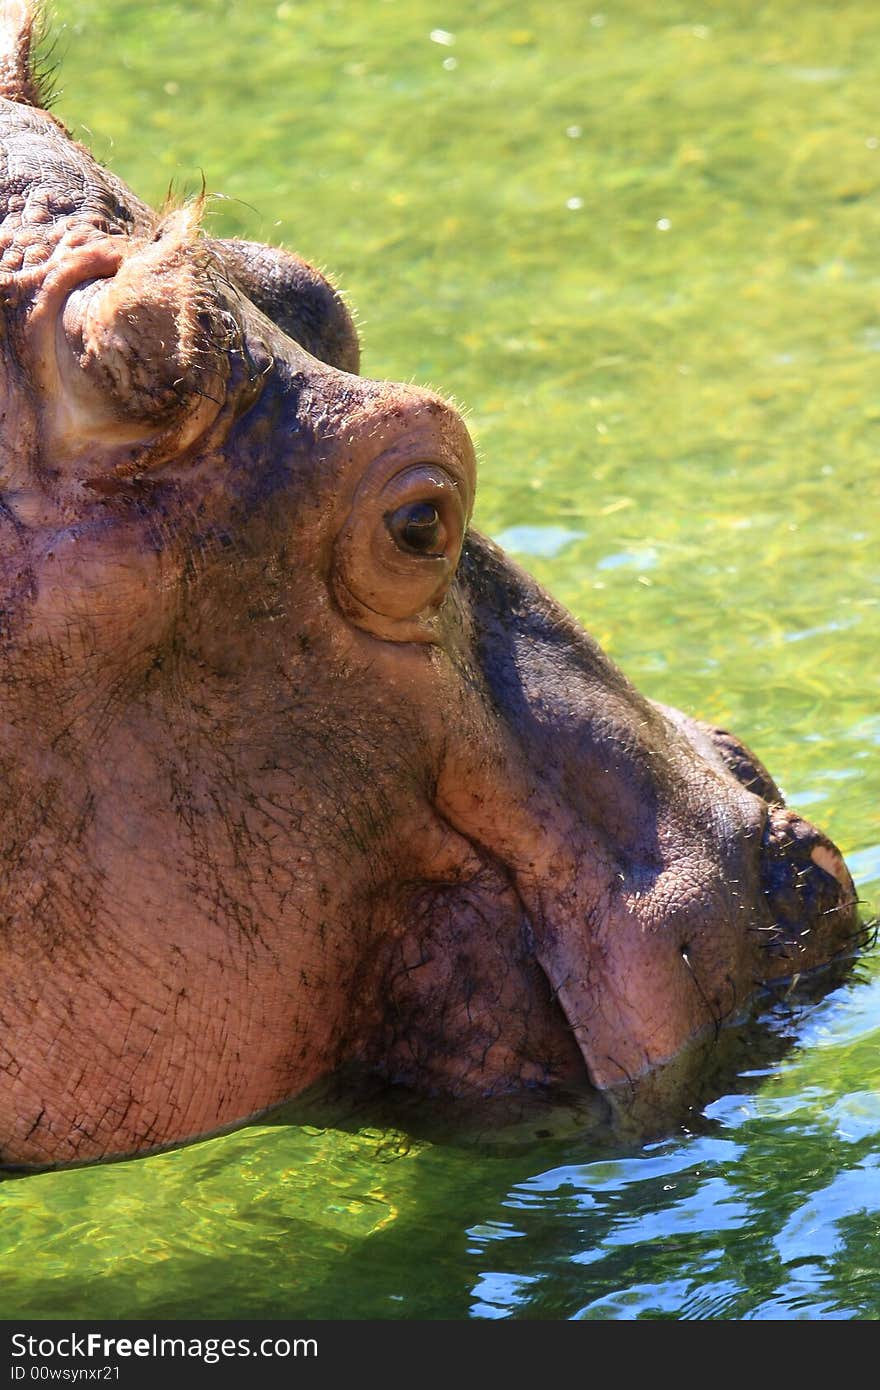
column 298, row 769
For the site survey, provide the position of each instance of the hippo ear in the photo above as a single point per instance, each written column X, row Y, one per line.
column 18, row 79
column 295, row 296
column 396, row 555
column 144, row 345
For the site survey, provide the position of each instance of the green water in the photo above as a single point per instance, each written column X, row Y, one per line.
column 641, row 247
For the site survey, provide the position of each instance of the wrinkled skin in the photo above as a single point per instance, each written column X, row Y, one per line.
column 298, row 770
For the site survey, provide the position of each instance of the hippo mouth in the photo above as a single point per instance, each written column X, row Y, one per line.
column 659, row 965
column 805, row 924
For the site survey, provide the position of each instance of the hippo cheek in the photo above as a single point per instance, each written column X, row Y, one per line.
column 105, row 595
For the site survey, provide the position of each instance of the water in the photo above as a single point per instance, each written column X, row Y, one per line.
column 641, row 247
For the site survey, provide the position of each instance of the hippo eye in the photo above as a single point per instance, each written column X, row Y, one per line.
column 417, row 528
column 396, row 554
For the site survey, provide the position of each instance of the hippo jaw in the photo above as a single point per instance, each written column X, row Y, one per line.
column 297, row 768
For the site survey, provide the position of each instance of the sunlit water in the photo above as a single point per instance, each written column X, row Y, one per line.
column 642, row 248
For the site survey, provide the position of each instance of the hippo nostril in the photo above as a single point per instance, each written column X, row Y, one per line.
column 807, row 887
column 831, row 863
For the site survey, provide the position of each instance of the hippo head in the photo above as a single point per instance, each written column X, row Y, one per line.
column 298, row 769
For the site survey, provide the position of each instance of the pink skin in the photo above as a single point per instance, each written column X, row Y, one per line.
column 298, row 769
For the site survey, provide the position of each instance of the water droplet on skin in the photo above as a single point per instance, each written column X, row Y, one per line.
column 663, row 224
column 574, row 204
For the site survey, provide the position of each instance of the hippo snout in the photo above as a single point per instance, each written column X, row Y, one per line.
column 809, row 892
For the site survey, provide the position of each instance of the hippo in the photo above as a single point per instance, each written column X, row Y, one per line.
column 299, row 770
